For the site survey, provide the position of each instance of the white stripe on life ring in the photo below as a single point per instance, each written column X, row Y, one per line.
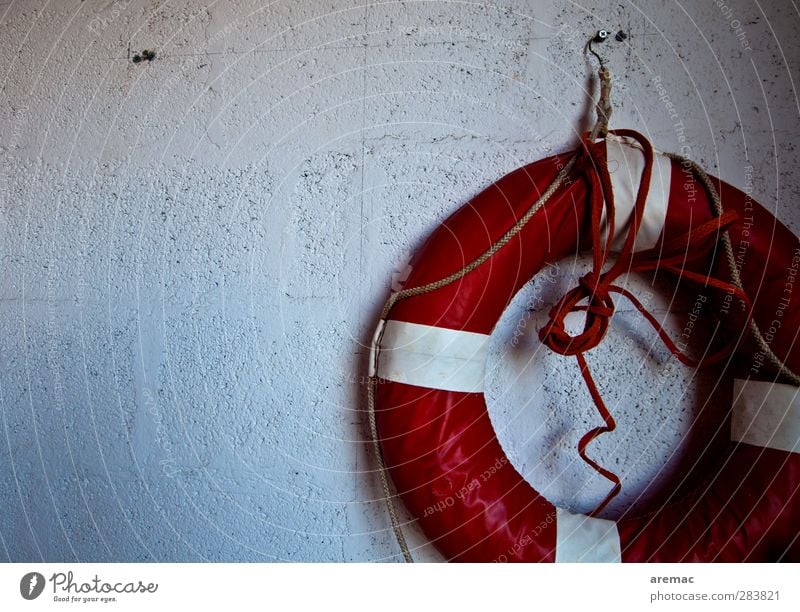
column 766, row 414
column 431, row 357
column 625, row 165
column 584, row 539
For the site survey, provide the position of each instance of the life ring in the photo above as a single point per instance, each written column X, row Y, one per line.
column 429, row 354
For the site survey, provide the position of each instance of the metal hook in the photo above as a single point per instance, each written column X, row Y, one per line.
column 600, row 36
column 603, row 107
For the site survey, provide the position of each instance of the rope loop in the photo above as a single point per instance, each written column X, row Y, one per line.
column 599, row 309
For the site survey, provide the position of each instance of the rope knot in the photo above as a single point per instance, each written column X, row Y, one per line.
column 599, row 308
column 592, row 295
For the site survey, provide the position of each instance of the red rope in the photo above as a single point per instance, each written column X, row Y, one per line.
column 596, row 287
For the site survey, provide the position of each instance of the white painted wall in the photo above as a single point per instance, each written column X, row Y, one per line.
column 193, row 250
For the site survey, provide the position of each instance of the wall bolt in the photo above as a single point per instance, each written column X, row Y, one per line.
column 600, row 36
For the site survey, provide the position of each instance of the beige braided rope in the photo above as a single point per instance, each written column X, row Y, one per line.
column 604, row 107
column 711, row 190
column 406, row 293
column 387, row 492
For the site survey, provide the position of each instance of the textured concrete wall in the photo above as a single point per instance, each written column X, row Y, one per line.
column 194, row 248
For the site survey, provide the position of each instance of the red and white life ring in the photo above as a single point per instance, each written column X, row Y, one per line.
column 430, row 350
